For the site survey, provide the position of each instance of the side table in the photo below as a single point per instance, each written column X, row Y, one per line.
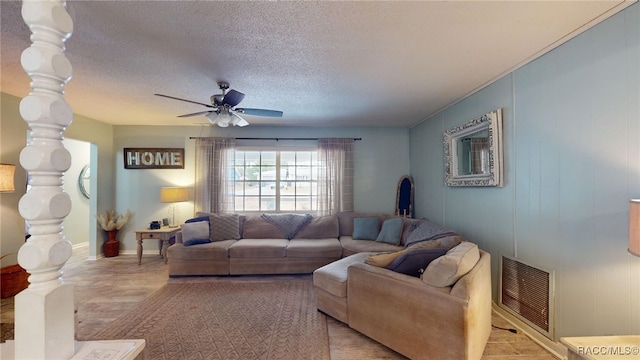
column 163, row 235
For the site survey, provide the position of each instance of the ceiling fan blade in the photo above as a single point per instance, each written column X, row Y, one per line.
column 196, row 113
column 260, row 112
column 194, row 102
column 237, row 120
column 232, row 98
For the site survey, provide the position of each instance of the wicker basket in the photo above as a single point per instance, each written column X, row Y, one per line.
column 13, row 279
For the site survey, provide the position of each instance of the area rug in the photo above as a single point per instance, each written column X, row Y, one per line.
column 233, row 318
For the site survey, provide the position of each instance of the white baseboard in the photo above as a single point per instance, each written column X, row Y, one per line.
column 555, row 348
column 80, row 245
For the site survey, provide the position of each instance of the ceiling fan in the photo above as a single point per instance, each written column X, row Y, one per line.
column 222, row 108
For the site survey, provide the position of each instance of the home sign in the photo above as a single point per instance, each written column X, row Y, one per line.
column 153, row 158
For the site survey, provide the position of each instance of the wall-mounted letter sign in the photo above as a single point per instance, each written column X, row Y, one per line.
column 153, row 158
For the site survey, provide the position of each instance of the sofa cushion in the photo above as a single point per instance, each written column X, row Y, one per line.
column 314, row 248
column 365, row 228
column 259, row 248
column 447, row 242
column 446, row 270
column 414, row 261
column 224, row 227
column 427, row 230
column 384, row 259
column 322, row 227
column 407, row 225
column 194, row 233
column 255, row 227
column 332, row 277
column 345, row 222
column 217, row 250
column 351, row 246
column 391, row 231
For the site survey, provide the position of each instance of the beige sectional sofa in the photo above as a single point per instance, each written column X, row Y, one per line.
column 445, row 314
column 256, row 247
column 441, row 313
column 250, row 244
column 260, row 247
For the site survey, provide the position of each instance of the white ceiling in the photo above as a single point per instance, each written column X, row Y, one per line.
column 322, row 63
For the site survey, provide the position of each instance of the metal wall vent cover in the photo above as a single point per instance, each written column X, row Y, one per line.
column 527, row 292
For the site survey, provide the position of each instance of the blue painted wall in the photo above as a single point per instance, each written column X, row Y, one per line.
column 381, row 158
column 572, row 155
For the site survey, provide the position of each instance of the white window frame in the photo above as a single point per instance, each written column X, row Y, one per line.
column 278, row 181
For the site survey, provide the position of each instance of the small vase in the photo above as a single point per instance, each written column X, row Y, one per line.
column 112, row 246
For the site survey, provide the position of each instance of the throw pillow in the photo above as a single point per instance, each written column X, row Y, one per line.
column 224, row 227
column 194, row 233
column 413, row 262
column 391, row 231
column 365, row 228
column 199, row 218
column 384, row 259
column 448, row 269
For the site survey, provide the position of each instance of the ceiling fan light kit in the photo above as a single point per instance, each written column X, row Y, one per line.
column 223, row 111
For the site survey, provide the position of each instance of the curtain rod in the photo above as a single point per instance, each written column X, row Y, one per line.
column 276, row 139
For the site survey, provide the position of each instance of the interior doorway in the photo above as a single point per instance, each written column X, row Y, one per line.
column 79, row 225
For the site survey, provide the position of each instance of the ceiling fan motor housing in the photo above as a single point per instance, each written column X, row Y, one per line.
column 217, row 99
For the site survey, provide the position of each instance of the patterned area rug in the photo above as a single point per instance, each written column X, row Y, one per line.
column 233, row 318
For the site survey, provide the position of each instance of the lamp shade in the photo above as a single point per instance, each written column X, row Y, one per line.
column 634, row 227
column 6, row 177
column 174, row 194
column 222, row 119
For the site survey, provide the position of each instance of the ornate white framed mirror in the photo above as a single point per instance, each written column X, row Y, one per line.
column 473, row 152
column 84, row 181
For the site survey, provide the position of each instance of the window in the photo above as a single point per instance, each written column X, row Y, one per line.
column 275, row 180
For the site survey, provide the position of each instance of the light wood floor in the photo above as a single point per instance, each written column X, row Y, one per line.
column 106, row 288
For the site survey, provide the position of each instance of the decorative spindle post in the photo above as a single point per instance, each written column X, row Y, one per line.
column 44, row 312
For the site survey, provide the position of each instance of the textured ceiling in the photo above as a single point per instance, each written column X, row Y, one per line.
column 322, row 63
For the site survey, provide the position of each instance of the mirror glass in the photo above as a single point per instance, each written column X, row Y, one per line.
column 473, row 152
column 84, row 181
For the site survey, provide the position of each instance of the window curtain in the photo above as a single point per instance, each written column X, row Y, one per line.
column 214, row 175
column 335, row 175
column 479, row 154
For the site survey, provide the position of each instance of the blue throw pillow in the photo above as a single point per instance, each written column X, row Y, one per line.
column 194, row 233
column 415, row 261
column 365, row 228
column 391, row 231
column 200, row 218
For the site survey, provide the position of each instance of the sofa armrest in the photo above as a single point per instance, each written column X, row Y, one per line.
column 415, row 319
column 179, row 237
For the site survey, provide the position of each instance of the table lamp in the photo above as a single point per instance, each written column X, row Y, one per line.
column 173, row 195
column 6, row 177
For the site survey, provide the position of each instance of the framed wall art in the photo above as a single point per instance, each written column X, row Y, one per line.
column 153, row 158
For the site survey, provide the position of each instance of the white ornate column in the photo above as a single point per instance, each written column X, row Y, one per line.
column 44, row 312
